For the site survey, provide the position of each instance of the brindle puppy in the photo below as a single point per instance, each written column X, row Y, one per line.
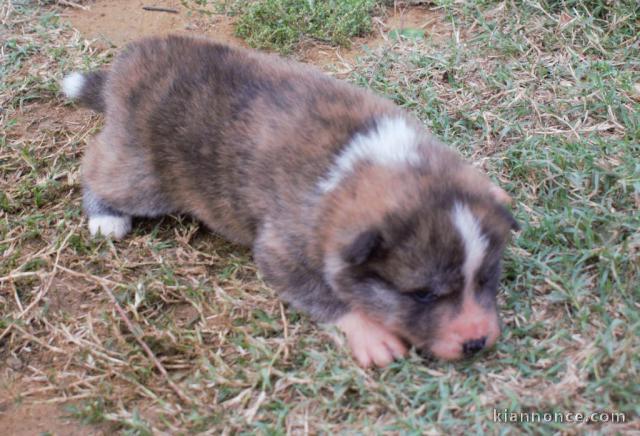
column 356, row 214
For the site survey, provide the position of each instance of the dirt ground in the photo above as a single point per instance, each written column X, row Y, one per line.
column 43, row 418
column 117, row 22
column 113, row 23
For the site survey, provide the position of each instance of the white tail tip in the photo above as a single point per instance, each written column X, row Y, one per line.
column 72, row 85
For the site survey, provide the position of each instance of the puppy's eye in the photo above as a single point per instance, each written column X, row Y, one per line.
column 489, row 276
column 424, row 296
column 482, row 281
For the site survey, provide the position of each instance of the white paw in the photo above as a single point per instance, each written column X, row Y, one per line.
column 110, row 226
column 370, row 341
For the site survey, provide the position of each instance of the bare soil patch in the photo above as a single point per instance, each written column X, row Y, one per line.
column 117, row 22
column 42, row 418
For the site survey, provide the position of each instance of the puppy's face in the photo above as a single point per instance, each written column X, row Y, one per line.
column 430, row 271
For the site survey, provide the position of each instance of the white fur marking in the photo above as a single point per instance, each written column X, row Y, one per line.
column 393, row 143
column 475, row 243
column 72, row 85
column 110, row 226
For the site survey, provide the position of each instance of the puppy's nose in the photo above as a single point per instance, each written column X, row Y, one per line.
column 472, row 346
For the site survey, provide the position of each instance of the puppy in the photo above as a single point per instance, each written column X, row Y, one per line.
column 356, row 214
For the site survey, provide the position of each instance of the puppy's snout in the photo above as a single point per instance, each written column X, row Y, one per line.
column 466, row 334
column 473, row 346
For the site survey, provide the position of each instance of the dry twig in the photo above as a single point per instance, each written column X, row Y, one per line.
column 145, row 347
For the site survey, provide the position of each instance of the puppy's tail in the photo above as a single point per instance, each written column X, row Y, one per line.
column 86, row 88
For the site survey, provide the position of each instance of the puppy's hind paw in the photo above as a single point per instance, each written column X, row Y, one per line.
column 110, row 226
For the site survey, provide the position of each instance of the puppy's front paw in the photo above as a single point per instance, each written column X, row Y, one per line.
column 370, row 341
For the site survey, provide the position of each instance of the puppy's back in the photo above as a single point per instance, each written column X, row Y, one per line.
column 230, row 133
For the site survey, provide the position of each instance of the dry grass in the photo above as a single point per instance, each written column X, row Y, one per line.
column 545, row 98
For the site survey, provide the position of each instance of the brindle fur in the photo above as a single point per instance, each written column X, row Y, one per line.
column 240, row 140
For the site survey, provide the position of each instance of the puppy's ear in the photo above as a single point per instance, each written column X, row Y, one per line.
column 500, row 195
column 504, row 200
column 510, row 218
column 363, row 247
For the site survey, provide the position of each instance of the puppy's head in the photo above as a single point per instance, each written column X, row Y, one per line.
column 420, row 252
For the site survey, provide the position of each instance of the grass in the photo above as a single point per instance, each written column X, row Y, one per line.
column 281, row 24
column 545, row 96
column 285, row 25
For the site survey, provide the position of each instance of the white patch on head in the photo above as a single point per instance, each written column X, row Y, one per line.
column 475, row 243
column 110, row 226
column 72, row 85
column 392, row 143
